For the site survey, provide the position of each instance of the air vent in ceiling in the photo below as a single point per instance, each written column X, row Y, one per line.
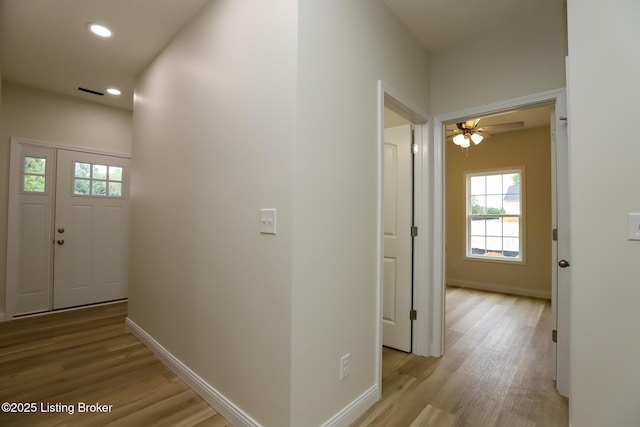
column 94, row 92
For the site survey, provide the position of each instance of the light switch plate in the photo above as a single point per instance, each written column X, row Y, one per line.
column 268, row 221
column 633, row 224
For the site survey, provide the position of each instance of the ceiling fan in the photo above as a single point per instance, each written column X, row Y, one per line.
column 468, row 132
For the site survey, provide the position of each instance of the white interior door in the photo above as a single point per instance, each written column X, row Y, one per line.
column 397, row 265
column 562, row 255
column 91, row 229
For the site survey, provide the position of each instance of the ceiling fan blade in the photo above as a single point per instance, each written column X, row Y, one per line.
column 513, row 125
column 483, row 134
column 471, row 124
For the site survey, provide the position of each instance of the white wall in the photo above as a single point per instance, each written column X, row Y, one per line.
column 523, row 58
column 47, row 116
column 344, row 47
column 214, row 130
column 604, row 65
column 35, row 114
column 232, row 117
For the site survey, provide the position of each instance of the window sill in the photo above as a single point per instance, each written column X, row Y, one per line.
column 496, row 260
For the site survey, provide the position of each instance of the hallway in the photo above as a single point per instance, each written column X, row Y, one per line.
column 496, row 371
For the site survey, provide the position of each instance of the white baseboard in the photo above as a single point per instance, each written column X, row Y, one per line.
column 499, row 288
column 228, row 409
column 352, row 411
column 2, row 319
column 215, row 399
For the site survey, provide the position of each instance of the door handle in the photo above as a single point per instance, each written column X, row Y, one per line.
column 60, row 241
column 563, row 263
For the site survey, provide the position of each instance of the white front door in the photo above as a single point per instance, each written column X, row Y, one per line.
column 397, row 265
column 90, row 229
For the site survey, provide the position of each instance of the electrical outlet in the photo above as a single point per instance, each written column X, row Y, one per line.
column 345, row 366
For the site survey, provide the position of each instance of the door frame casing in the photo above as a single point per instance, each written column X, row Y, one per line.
column 437, row 286
column 388, row 96
column 16, row 145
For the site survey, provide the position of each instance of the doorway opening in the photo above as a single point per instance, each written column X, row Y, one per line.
column 498, row 263
column 461, row 241
column 402, row 143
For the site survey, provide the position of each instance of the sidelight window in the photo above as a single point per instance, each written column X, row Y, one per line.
column 34, row 175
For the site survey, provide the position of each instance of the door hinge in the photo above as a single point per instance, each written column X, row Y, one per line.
column 413, row 315
column 414, row 231
column 554, row 335
column 555, row 234
column 414, row 148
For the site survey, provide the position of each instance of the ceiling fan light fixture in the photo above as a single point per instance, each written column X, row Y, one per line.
column 99, row 30
column 465, row 142
column 458, row 139
column 476, row 138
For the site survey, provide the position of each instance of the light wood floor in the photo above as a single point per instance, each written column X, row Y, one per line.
column 88, row 356
column 496, row 370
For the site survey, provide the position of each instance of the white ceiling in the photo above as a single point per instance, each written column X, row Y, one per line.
column 44, row 43
column 532, row 118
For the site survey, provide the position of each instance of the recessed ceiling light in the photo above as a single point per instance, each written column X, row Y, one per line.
column 99, row 30
column 113, row 91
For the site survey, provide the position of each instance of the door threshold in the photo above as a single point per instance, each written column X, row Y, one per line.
column 63, row 310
